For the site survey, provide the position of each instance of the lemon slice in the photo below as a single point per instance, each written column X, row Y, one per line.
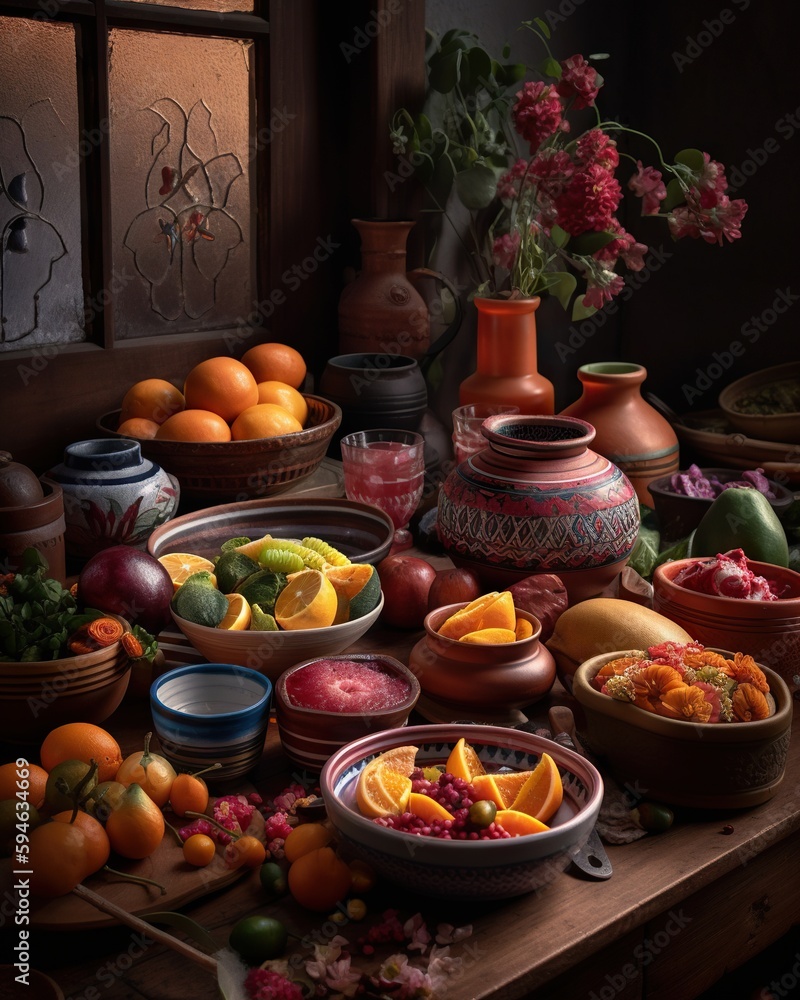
column 308, row 600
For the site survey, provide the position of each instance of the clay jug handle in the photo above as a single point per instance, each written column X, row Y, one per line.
column 419, row 274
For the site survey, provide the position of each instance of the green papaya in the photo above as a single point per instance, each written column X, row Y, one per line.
column 741, row 518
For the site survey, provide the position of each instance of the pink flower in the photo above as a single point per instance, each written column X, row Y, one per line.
column 508, row 187
column 504, row 250
column 538, row 113
column 580, row 81
column 623, row 247
column 648, row 184
column 416, row 930
column 448, row 934
column 552, row 170
column 711, row 695
column 595, row 146
column 601, row 287
column 589, row 201
column 264, row 984
column 711, row 224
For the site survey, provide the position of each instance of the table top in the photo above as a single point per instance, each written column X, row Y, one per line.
column 516, row 945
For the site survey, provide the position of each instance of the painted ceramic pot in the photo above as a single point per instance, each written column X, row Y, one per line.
column 112, row 495
column 489, row 683
column 539, row 500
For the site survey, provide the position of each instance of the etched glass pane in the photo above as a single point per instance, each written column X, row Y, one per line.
column 218, row 6
column 41, row 292
column 181, row 182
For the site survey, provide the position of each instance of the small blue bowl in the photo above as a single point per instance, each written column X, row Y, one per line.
column 209, row 713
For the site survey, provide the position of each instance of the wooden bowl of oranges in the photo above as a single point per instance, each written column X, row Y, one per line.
column 236, row 430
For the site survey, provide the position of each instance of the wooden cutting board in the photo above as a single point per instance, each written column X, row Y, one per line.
column 166, row 865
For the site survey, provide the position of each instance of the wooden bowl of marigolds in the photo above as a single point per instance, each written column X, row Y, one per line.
column 720, row 765
column 211, row 472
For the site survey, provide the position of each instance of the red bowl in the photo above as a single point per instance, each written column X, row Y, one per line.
column 768, row 630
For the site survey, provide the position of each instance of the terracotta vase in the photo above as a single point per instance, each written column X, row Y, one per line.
column 382, row 310
column 628, row 430
column 539, row 500
column 484, row 683
column 31, row 516
column 507, row 359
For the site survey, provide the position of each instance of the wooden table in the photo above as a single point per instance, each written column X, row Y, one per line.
column 682, row 908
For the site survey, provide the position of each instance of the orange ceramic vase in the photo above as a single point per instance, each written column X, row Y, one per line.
column 507, row 363
column 628, row 430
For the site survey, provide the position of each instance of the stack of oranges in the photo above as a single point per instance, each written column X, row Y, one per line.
column 222, row 399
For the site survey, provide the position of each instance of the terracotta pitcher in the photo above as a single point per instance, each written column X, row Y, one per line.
column 382, row 310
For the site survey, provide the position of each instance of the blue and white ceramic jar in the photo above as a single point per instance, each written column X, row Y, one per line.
column 112, row 495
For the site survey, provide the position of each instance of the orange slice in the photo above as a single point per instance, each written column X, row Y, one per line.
column 495, row 610
column 489, row 636
column 382, row 791
column 426, row 808
column 523, row 629
column 181, row 565
column 509, row 784
column 237, row 617
column 487, row 788
column 542, row 793
column 307, row 601
column 399, row 759
column 518, row 824
column 463, row 762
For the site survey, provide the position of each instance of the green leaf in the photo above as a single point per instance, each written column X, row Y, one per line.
column 580, row 311
column 510, row 73
column 423, row 128
column 675, row 196
column 645, row 552
column 550, row 67
column 691, row 158
column 559, row 236
column 562, row 285
column 445, row 71
column 480, row 65
column 506, row 51
column 187, row 926
column 588, row 243
column 543, row 26
column 477, row 186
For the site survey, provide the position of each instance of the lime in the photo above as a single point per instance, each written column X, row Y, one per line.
column 60, row 797
column 234, row 568
column 258, row 939
column 273, row 880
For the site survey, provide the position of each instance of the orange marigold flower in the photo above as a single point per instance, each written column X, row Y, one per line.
column 651, row 683
column 686, row 702
column 105, row 631
column 616, row 667
column 706, row 658
column 746, row 671
column 749, row 703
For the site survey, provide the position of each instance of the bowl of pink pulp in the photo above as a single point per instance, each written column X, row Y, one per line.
column 324, row 703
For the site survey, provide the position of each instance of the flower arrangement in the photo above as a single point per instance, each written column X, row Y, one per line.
column 689, row 683
column 541, row 220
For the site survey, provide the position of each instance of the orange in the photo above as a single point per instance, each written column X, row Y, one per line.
column 194, row 425
column 489, row 636
column 304, row 838
column 542, row 793
column 98, row 846
column 509, row 784
column 57, row 859
column 384, row 787
column 463, row 762
column 181, row 565
column 495, row 610
column 223, row 385
column 487, row 788
column 153, row 399
column 277, row 362
column 319, row 879
column 518, row 824
column 523, row 629
column 237, row 617
column 286, row 396
column 139, row 427
column 307, row 601
column 13, row 784
column 427, row 808
column 136, row 827
column 264, row 420
column 82, row 741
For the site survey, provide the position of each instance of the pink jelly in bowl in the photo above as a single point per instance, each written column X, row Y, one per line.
column 324, row 703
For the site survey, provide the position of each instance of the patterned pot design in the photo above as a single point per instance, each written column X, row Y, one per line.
column 539, row 500
column 112, row 495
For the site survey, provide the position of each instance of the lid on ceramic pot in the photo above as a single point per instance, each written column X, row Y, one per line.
column 19, row 485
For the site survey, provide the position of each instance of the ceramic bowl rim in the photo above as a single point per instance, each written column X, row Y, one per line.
column 758, row 379
column 441, row 733
column 300, row 633
column 649, row 722
column 665, row 573
column 660, row 488
column 219, row 668
column 406, row 705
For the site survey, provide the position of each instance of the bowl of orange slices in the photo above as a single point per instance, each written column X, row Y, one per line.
column 462, row 811
column 235, row 430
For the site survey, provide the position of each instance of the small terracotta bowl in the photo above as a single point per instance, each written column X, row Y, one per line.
column 721, row 765
column 771, row 425
column 481, row 683
column 309, row 736
column 36, row 697
column 768, row 630
column 464, row 869
column 209, row 713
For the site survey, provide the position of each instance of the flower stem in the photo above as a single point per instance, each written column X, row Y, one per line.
column 136, row 878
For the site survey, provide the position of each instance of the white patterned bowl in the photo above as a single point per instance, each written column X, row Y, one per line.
column 469, row 870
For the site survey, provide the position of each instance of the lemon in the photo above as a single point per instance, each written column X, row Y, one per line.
column 181, row 565
column 238, row 615
column 307, row 601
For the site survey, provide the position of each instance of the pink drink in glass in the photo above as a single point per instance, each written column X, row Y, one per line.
column 386, row 473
